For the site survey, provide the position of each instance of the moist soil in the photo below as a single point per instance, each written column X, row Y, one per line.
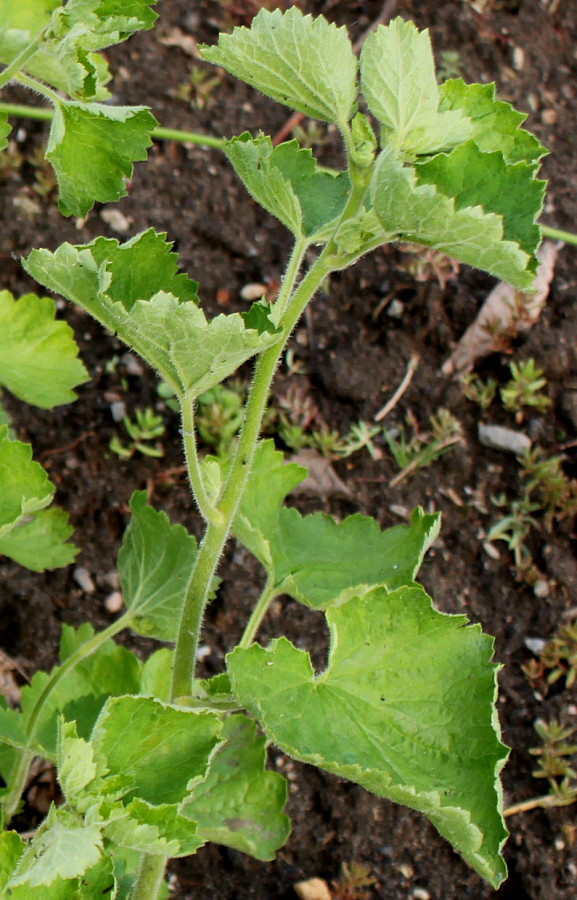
column 351, row 354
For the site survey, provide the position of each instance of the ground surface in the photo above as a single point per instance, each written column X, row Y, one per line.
column 353, row 356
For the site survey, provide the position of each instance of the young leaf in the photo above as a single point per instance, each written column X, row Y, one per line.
column 154, row 829
column 40, row 542
column 75, row 761
column 39, row 362
column 495, row 124
column 400, row 87
column 239, row 804
column 11, row 849
column 286, row 181
column 25, row 485
column 190, row 353
column 92, row 148
column 154, row 564
column 404, row 708
column 472, row 177
column 305, row 63
column 65, row 848
column 159, row 748
column 420, row 214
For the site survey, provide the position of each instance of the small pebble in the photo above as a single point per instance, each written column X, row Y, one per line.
column 116, row 220
column 535, row 645
column 253, row 291
column 312, row 889
column 118, row 410
column 83, row 579
column 541, row 589
column 132, row 364
column 421, row 894
column 498, row 438
column 114, row 602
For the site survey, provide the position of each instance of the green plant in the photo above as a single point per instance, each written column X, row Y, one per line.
column 554, row 764
column 481, row 392
column 421, row 449
column 514, row 528
column 220, row 415
column 145, row 427
column 557, row 659
column 152, row 760
column 548, row 485
column 524, row 389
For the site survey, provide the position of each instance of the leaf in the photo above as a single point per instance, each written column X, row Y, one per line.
column 39, row 362
column 238, row 804
column 75, row 761
column 420, row 214
column 26, row 487
column 5, row 129
column 400, row 87
column 305, row 63
column 160, row 748
column 154, row 829
column 286, row 181
column 39, row 542
column 11, row 849
column 80, row 695
column 495, row 124
column 65, row 848
column 92, row 148
column 472, row 177
column 404, row 708
column 154, row 565
column 190, row 353
column 270, row 481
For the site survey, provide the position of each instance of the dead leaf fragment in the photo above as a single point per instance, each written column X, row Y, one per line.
column 321, row 478
column 505, row 313
column 312, row 889
column 185, row 42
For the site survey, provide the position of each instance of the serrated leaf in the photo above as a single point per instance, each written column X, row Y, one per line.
column 155, row 829
column 160, row 748
column 305, row 63
column 109, row 671
column 39, row 362
column 65, row 848
column 270, row 481
column 496, row 125
column 92, row 148
column 190, row 353
column 39, row 542
column 11, row 849
column 400, row 87
column 75, row 761
column 239, row 803
column 286, row 181
column 12, row 734
column 476, row 178
column 26, row 487
column 420, row 214
column 154, row 565
column 404, row 707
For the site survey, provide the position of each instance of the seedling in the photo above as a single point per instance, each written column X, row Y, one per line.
column 220, row 415
column 554, row 755
column 548, row 485
column 421, row 449
column 524, row 389
column 514, row 528
column 481, row 392
column 558, row 659
column 152, row 760
column 146, row 426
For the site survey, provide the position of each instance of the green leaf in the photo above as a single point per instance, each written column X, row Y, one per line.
column 11, row 849
column 75, row 761
column 286, row 181
column 238, row 803
column 305, row 63
column 159, row 748
column 154, row 829
column 400, row 87
column 190, row 353
column 39, row 542
column 65, row 848
column 12, row 734
column 154, row 565
column 39, row 362
column 4, row 130
column 496, row 125
column 80, row 694
column 472, row 177
column 26, row 487
column 404, row 708
column 420, row 214
column 92, row 148
column 270, row 481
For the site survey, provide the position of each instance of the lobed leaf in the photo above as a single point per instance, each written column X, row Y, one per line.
column 239, row 804
column 400, row 86
column 404, row 708
column 92, row 148
column 174, row 336
column 154, row 565
column 40, row 542
column 39, row 362
column 11, row 849
column 154, row 829
column 420, row 214
column 305, row 63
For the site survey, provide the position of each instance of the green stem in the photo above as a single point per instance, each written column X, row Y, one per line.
column 150, row 878
column 558, row 235
column 20, row 771
column 293, row 268
column 207, row 509
column 161, row 134
column 217, row 533
column 270, row 591
column 20, row 61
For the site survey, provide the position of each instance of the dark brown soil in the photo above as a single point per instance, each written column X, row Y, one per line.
column 354, row 356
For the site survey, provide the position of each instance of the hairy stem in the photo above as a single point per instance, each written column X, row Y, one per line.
column 150, row 878
column 207, row 509
column 259, row 612
column 20, row 61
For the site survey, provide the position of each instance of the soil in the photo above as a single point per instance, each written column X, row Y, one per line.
column 353, row 353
